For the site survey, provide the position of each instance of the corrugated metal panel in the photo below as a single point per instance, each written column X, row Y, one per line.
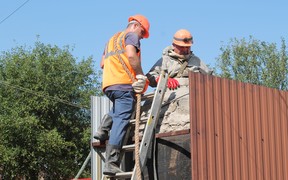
column 238, row 130
column 99, row 107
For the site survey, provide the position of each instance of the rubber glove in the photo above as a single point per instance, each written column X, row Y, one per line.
column 171, row 83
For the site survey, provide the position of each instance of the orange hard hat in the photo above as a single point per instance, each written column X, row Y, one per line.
column 143, row 21
column 183, row 38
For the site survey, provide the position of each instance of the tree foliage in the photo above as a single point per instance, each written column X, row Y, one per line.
column 254, row 61
column 44, row 114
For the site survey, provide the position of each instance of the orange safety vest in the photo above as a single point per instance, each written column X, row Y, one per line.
column 113, row 71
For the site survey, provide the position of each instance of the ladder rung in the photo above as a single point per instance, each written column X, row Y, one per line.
column 129, row 147
column 122, row 175
column 142, row 120
column 148, row 96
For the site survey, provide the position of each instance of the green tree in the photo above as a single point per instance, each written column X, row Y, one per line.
column 254, row 61
column 44, row 115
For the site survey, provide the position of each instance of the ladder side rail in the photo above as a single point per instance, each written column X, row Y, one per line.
column 152, row 121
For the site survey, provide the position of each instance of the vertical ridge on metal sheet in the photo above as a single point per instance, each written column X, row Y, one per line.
column 242, row 131
column 278, row 144
column 257, row 132
column 218, row 129
column 250, row 136
column 235, row 131
column 226, row 129
column 193, row 126
column 201, row 128
column 271, row 134
column 284, row 129
column 209, row 97
column 264, row 132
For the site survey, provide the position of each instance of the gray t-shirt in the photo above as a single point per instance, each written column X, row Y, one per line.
column 132, row 38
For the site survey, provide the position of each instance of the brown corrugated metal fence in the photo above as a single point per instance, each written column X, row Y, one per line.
column 238, row 130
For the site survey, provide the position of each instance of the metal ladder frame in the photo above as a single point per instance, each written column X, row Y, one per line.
column 152, row 121
column 149, row 131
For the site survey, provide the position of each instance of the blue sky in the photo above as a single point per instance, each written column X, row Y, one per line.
column 87, row 25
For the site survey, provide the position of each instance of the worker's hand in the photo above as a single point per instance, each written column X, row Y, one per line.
column 172, row 83
column 140, row 86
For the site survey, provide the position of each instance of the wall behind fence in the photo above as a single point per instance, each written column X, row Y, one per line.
column 238, row 130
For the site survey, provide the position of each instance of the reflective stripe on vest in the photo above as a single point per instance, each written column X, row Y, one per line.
column 118, row 51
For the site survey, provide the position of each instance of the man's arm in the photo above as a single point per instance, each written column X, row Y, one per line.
column 134, row 60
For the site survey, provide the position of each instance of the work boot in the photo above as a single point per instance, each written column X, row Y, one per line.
column 112, row 162
column 102, row 133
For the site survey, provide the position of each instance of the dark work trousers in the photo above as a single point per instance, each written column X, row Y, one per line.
column 123, row 107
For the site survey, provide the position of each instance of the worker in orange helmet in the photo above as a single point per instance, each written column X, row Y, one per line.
column 123, row 77
column 178, row 60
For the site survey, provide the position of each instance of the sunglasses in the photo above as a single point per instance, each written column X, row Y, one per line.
column 185, row 40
